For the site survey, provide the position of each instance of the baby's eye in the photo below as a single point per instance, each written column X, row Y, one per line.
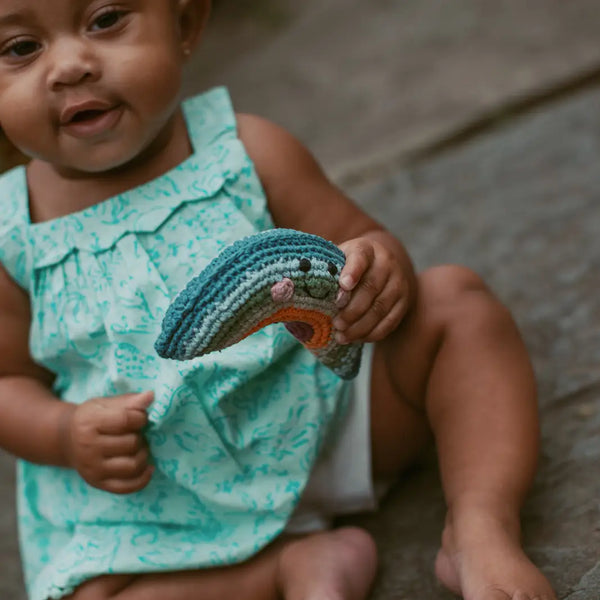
column 304, row 265
column 21, row 48
column 107, row 19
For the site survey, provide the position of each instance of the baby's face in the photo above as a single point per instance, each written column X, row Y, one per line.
column 89, row 85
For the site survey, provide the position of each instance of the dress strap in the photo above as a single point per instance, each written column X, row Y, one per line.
column 14, row 225
column 210, row 118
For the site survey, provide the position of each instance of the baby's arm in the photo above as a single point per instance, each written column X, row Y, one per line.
column 31, row 416
column 378, row 279
column 100, row 438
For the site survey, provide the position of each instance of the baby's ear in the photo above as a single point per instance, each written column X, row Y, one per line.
column 193, row 16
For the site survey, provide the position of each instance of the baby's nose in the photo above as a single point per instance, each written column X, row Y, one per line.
column 72, row 61
column 282, row 291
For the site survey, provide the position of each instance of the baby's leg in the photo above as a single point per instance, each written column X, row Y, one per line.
column 458, row 364
column 333, row 565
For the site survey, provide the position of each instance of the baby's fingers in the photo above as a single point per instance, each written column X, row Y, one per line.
column 128, row 486
column 368, row 292
column 359, row 256
column 375, row 318
column 122, row 445
column 387, row 324
column 122, row 414
column 126, row 467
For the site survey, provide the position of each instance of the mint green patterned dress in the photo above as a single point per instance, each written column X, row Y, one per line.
column 233, row 435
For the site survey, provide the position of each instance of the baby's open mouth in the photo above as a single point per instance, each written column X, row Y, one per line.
column 90, row 119
column 86, row 115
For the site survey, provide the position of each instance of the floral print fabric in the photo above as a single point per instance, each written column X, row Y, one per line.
column 233, row 435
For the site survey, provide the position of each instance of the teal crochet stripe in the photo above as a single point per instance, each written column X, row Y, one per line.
column 280, row 275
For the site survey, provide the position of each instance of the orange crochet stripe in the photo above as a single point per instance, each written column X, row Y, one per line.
column 320, row 322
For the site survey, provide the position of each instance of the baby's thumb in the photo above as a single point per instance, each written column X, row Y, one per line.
column 136, row 407
column 140, row 401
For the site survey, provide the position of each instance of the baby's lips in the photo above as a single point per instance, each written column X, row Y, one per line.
column 342, row 299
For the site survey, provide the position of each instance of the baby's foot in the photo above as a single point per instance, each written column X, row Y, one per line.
column 482, row 559
column 335, row 565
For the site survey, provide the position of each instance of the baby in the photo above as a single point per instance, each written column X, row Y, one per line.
column 143, row 478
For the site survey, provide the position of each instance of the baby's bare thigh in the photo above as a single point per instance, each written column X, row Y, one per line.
column 400, row 432
column 102, row 588
column 401, row 369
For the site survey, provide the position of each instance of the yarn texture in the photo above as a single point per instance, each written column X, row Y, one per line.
column 276, row 276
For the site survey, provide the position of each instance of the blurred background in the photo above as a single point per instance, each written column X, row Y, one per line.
column 472, row 129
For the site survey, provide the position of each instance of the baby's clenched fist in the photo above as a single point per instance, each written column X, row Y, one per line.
column 375, row 292
column 104, row 442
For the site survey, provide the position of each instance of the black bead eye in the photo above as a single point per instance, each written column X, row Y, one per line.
column 332, row 269
column 305, row 265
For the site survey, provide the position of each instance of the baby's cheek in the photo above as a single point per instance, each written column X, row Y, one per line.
column 28, row 130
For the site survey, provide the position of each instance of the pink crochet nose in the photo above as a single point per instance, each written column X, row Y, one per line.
column 282, row 291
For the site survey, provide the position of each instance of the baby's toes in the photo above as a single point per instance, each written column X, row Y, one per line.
column 519, row 595
column 500, row 594
column 494, row 593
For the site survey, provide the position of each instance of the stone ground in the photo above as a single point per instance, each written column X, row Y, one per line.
column 473, row 130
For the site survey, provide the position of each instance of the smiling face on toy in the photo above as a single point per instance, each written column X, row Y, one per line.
column 303, row 301
column 278, row 276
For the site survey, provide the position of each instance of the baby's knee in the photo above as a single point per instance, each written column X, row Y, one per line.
column 449, row 283
column 455, row 293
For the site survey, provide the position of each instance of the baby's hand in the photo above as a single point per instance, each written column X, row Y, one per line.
column 104, row 443
column 374, row 292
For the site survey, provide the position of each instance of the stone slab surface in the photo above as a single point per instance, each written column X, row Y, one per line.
column 11, row 586
column 359, row 80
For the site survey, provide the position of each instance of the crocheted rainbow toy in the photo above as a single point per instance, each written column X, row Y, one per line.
column 277, row 276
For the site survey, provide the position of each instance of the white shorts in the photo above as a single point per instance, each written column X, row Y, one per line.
column 341, row 481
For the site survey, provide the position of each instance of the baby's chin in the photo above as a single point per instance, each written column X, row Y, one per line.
column 85, row 165
column 146, row 163
column 85, row 170
column 96, row 166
